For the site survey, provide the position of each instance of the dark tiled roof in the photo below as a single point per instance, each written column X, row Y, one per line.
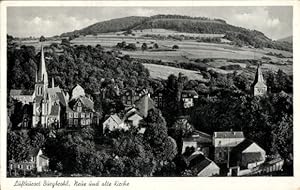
column 198, row 162
column 55, row 110
column 248, row 157
column 87, row 102
column 144, row 104
column 229, row 134
column 242, row 146
column 61, row 98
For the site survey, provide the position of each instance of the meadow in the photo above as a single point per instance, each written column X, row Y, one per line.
column 189, row 51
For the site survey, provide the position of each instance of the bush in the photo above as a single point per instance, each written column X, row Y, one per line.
column 131, row 46
column 144, row 47
column 175, row 47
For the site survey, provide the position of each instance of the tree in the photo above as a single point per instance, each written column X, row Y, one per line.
column 144, row 47
column 42, row 39
column 156, row 136
column 131, row 46
column 175, row 47
column 18, row 145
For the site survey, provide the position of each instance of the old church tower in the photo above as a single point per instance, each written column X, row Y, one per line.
column 259, row 87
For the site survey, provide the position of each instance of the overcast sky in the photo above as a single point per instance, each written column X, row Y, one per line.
column 274, row 22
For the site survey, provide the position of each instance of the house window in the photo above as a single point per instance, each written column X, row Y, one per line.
column 87, row 115
column 82, row 122
column 70, row 121
column 82, row 115
column 28, row 167
column 75, row 121
column 20, row 166
column 75, row 115
column 71, row 115
column 79, row 109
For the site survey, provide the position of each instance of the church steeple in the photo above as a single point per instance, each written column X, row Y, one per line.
column 259, row 87
column 42, row 73
column 258, row 76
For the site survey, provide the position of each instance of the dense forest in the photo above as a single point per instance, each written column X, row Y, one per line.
column 225, row 103
column 238, row 35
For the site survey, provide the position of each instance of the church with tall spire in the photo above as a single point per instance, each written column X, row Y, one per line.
column 46, row 100
column 258, row 87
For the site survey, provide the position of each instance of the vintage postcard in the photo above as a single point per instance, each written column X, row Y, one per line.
column 154, row 94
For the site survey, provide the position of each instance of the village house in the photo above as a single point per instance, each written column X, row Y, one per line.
column 188, row 98
column 247, row 155
column 80, row 109
column 201, row 166
column 113, row 122
column 224, row 142
column 37, row 161
column 200, row 141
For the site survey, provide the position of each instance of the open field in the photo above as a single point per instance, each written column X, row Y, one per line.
column 189, row 50
column 162, row 72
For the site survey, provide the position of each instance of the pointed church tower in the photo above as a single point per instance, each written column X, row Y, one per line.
column 259, row 87
column 42, row 73
column 40, row 107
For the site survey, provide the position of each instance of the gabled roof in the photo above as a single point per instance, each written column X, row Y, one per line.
column 189, row 93
column 86, row 102
column 242, row 146
column 134, row 116
column 61, row 98
column 198, row 162
column 53, row 93
column 116, row 118
column 199, row 137
column 16, row 92
column 229, row 134
column 144, row 104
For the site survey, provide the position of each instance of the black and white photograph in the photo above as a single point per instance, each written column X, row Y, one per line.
column 134, row 91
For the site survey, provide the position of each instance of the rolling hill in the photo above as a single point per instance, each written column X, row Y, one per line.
column 238, row 35
column 286, row 39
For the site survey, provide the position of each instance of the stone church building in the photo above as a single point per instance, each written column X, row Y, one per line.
column 52, row 106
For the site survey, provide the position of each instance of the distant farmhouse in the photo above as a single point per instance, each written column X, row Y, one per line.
column 51, row 106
